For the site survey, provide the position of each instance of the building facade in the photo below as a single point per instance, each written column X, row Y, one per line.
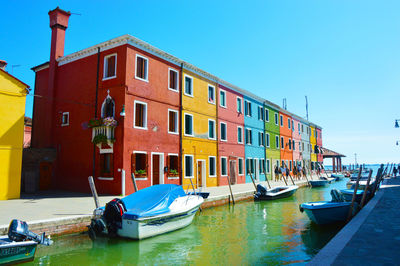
column 313, row 145
column 285, row 129
column 272, row 138
column 296, row 141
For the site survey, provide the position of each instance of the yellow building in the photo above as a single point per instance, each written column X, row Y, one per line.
column 12, row 111
column 313, row 142
column 199, row 130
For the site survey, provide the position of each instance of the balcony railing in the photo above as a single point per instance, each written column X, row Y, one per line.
column 107, row 131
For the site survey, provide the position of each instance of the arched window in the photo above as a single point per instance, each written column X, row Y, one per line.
column 108, row 107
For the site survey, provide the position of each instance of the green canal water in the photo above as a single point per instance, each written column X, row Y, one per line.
column 249, row 233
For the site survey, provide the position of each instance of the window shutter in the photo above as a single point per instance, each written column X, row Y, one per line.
column 133, row 162
column 111, row 163
column 169, row 163
column 147, row 162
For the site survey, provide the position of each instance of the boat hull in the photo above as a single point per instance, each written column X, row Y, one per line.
column 318, row 183
column 276, row 193
column 326, row 212
column 16, row 252
column 140, row 229
column 348, row 194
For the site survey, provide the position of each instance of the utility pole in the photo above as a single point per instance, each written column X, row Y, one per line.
column 306, row 108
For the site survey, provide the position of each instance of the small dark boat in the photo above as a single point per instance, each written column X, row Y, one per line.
column 337, row 177
column 348, row 194
column 319, row 183
column 20, row 244
column 274, row 193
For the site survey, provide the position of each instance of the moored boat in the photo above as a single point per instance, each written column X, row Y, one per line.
column 326, row 212
column 274, row 193
column 148, row 212
column 348, row 194
column 337, row 177
column 319, row 183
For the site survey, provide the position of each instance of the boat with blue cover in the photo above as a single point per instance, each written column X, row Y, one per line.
column 274, row 193
column 148, row 212
column 327, row 212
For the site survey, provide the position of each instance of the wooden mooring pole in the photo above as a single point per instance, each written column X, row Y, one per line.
column 94, row 192
column 354, row 195
column 134, row 182
column 365, row 190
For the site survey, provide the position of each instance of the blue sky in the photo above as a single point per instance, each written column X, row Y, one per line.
column 344, row 55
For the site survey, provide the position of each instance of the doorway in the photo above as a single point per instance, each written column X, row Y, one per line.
column 201, row 173
column 232, row 172
column 157, row 163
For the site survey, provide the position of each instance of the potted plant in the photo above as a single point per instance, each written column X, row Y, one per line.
column 140, row 173
column 173, row 173
column 110, row 122
column 100, row 139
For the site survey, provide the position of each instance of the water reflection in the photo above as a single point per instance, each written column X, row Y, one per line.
column 272, row 232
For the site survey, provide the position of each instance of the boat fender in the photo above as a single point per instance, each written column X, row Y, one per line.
column 301, row 208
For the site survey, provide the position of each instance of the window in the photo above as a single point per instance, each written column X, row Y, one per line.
column 290, row 144
column 282, row 143
column 173, row 165
column 211, row 129
column 292, row 125
column 212, row 166
column 302, row 146
column 140, row 114
column 302, row 128
column 277, row 142
column 298, row 127
column 268, row 166
column 288, row 122
column 261, row 163
column 110, row 66
column 281, row 117
column 188, row 125
column 139, row 164
column 141, row 68
column 240, row 135
column 240, row 161
column 266, row 115
column 267, row 139
column 294, row 145
column 239, row 105
column 260, row 113
column 211, row 94
column 188, row 86
column 173, row 80
column 223, row 131
column 247, row 108
column 222, row 98
column 261, row 140
column 290, row 165
column 276, row 119
column 248, row 136
column 188, row 166
column 250, row 166
column 172, row 121
column 65, row 119
column 224, row 170
column 106, row 163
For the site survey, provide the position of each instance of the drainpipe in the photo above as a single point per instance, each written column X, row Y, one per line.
column 95, row 109
column 216, row 130
column 265, row 145
column 180, row 126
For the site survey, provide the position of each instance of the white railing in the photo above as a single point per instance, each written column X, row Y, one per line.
column 103, row 130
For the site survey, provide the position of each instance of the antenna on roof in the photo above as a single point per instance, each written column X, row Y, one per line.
column 76, row 14
column 306, row 108
column 284, row 104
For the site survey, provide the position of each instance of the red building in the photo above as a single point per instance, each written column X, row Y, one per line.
column 231, row 135
column 109, row 110
column 285, row 130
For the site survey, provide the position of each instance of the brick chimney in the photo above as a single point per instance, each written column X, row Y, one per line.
column 3, row 65
column 58, row 24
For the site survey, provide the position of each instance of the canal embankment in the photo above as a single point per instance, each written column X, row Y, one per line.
column 60, row 212
column 372, row 236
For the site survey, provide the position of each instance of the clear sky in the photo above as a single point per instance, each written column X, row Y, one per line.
column 344, row 55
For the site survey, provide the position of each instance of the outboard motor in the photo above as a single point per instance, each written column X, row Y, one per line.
column 113, row 215
column 261, row 189
column 18, row 231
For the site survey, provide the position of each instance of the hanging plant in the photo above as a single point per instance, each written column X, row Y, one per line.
column 110, row 121
column 95, row 122
column 100, row 139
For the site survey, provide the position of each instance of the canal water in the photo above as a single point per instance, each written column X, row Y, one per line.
column 249, row 233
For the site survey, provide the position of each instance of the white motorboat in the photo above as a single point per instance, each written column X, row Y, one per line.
column 148, row 212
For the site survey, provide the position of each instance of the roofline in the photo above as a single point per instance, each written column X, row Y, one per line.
column 40, row 67
column 23, row 83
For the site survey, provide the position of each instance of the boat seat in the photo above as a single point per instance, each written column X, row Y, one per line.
column 337, row 196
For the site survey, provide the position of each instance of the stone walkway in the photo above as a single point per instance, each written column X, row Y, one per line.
column 372, row 237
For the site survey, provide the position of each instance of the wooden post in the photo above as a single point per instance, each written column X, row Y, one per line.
column 254, row 183
column 230, row 189
column 354, row 195
column 134, row 182
column 94, row 192
column 289, row 174
column 366, row 190
column 284, row 178
column 191, row 182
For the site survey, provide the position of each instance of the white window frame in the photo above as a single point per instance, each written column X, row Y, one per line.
column 281, row 120
column 282, row 142
column 276, row 117
column 62, row 116
column 251, row 136
column 248, row 104
column 146, row 177
column 208, row 99
column 268, row 169
column 267, row 143
column 226, row 165
column 184, row 85
column 240, row 161
column 261, row 136
column 184, row 126
column 177, row 121
column 289, row 125
column 261, row 113
column 241, row 105
column 266, row 115
column 134, row 115
column 290, row 144
column 215, row 131
column 224, row 92
column 226, row 131
column 147, row 68
column 177, row 155
column 215, row 166
column 184, row 172
column 106, row 64
column 241, row 130
column 293, row 145
column 177, row 80
column 277, row 144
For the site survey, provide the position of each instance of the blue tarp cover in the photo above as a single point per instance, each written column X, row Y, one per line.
column 151, row 201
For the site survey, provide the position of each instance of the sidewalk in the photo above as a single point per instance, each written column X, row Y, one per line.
column 372, row 237
column 61, row 212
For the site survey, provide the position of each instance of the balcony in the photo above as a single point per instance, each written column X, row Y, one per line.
column 103, row 131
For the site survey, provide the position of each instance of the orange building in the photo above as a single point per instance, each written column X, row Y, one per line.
column 286, row 140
